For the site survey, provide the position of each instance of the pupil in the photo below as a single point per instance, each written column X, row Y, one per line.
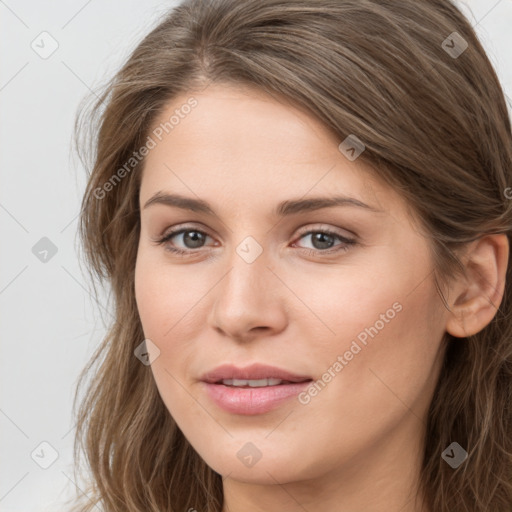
column 320, row 238
column 195, row 240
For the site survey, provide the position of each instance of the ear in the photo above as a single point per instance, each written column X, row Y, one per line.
column 478, row 297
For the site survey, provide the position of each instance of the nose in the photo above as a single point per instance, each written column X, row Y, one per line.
column 249, row 301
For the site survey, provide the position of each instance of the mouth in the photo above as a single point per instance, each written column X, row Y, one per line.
column 256, row 389
column 255, row 375
column 257, row 383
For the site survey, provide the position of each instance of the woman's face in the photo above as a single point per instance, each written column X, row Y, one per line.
column 342, row 297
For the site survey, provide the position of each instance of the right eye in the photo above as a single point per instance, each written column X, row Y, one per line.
column 191, row 238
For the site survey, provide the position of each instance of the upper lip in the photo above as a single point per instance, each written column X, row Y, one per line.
column 255, row 371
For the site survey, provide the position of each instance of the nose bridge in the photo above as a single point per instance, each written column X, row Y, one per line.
column 243, row 285
column 248, row 296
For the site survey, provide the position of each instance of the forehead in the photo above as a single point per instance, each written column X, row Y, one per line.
column 240, row 143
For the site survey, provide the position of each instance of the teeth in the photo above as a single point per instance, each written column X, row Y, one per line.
column 252, row 383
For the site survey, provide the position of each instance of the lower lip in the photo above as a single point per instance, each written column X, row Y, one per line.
column 253, row 400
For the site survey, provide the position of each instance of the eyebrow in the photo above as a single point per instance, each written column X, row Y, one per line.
column 285, row 208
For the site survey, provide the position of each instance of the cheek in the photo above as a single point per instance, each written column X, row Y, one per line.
column 169, row 302
column 383, row 362
column 167, row 296
column 376, row 332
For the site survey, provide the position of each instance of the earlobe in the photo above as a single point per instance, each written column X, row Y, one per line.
column 479, row 296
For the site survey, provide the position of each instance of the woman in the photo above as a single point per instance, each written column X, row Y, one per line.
column 302, row 210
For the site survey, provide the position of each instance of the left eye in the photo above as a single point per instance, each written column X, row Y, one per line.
column 323, row 240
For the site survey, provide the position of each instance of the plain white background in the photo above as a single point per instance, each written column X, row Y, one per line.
column 50, row 324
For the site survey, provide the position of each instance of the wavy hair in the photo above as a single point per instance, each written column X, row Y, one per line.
column 436, row 128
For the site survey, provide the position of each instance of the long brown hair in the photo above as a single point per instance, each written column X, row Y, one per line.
column 430, row 110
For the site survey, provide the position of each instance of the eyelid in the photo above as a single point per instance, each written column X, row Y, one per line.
column 185, row 227
column 327, row 227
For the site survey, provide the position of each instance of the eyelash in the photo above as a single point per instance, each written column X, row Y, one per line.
column 340, row 248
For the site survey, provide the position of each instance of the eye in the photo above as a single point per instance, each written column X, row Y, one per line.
column 323, row 241
column 190, row 237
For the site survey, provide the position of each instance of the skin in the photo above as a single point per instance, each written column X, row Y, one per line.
column 358, row 442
